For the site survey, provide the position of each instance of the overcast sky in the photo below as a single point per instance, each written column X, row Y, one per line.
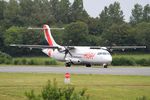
column 94, row 7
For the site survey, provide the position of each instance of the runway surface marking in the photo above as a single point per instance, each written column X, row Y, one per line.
column 77, row 70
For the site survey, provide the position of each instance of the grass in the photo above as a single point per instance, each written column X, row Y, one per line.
column 135, row 56
column 38, row 60
column 100, row 87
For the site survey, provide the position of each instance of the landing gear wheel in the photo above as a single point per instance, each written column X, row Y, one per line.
column 88, row 65
column 68, row 64
column 105, row 65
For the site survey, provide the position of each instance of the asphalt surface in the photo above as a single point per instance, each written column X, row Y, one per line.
column 77, row 70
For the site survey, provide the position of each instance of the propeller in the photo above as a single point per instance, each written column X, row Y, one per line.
column 67, row 51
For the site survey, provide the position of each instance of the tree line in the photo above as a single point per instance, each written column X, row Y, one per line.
column 109, row 28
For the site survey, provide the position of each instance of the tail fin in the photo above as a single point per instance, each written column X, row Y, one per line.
column 48, row 36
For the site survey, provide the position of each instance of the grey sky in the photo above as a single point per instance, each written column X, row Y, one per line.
column 94, row 7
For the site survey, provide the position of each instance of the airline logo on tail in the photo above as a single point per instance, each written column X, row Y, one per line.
column 48, row 36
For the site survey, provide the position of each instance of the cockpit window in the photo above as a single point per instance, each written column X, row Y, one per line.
column 103, row 53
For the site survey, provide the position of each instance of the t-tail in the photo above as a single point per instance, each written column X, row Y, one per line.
column 48, row 36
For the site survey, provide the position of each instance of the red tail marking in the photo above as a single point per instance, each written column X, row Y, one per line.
column 47, row 36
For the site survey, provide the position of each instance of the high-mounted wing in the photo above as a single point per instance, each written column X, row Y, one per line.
column 111, row 48
column 124, row 47
column 34, row 46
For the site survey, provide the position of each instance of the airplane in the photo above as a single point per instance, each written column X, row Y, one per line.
column 75, row 55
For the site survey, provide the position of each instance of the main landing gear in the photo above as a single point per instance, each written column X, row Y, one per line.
column 68, row 64
column 88, row 65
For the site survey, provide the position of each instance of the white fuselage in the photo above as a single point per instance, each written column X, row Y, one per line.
column 81, row 55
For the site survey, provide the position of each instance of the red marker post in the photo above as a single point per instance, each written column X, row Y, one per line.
column 67, row 78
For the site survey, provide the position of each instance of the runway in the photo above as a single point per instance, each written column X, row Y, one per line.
column 77, row 70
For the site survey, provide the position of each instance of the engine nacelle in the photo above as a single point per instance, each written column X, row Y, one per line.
column 75, row 60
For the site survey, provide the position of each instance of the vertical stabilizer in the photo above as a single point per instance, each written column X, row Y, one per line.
column 48, row 36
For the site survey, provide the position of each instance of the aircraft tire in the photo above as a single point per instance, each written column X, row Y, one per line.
column 88, row 65
column 68, row 64
column 105, row 65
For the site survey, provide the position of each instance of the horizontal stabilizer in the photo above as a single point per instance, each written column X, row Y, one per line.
column 31, row 28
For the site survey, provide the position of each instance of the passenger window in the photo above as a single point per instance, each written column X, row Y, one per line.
column 103, row 53
column 99, row 53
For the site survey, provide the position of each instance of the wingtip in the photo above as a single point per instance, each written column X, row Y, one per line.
column 12, row 45
column 29, row 28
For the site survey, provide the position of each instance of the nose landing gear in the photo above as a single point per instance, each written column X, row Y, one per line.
column 105, row 65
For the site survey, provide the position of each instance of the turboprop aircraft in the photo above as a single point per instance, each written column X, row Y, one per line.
column 78, row 55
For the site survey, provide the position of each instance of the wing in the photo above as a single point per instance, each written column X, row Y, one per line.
column 34, row 46
column 125, row 47
column 111, row 48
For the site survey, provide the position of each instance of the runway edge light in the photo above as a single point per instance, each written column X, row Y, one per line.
column 67, row 78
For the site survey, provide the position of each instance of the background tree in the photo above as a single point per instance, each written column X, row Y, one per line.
column 41, row 13
column 75, row 33
column 104, row 18
column 77, row 11
column 1, row 38
column 20, row 35
column 54, row 7
column 137, row 14
column 115, row 13
column 64, row 11
column 2, row 8
column 16, row 14
column 117, row 35
column 142, row 34
column 111, row 15
column 13, row 35
column 11, row 13
column 146, row 13
column 26, row 11
column 93, row 40
column 93, row 26
column 2, row 29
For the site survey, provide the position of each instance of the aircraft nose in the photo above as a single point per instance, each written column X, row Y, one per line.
column 109, row 59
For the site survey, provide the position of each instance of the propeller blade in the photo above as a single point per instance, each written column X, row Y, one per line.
column 65, row 56
column 62, row 51
column 66, row 51
column 70, row 53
